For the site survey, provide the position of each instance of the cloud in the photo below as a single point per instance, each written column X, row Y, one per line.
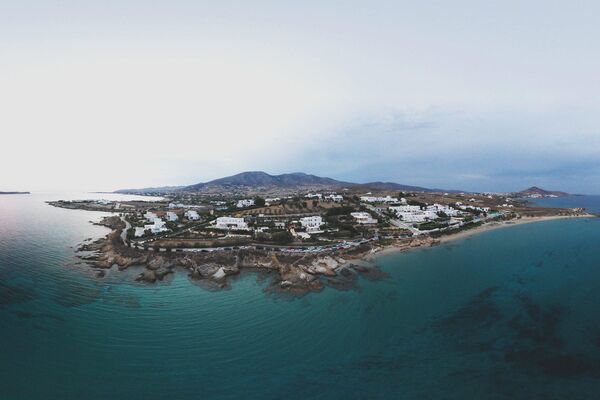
column 497, row 150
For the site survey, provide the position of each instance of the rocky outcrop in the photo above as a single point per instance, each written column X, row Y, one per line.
column 293, row 273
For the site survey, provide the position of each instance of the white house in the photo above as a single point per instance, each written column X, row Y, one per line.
column 338, row 198
column 375, row 199
column 449, row 211
column 405, row 209
column 483, row 209
column 363, row 218
column 243, row 203
column 272, row 200
column 192, row 215
column 139, row 231
column 314, row 196
column 171, row 216
column 150, row 216
column 409, row 213
column 230, row 223
column 157, row 227
column 312, row 224
column 412, row 217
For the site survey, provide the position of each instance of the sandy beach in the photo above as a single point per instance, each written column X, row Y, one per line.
column 474, row 231
column 497, row 225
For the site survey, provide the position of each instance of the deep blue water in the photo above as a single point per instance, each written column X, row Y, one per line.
column 507, row 314
column 591, row 203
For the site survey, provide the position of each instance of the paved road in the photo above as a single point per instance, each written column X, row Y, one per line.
column 124, row 232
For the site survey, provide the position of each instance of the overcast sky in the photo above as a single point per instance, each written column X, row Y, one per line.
column 463, row 95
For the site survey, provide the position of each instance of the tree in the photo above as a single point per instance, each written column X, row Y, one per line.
column 282, row 237
column 412, row 202
column 343, row 210
column 259, row 201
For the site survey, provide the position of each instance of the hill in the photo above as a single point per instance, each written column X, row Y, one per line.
column 259, row 180
column 536, row 191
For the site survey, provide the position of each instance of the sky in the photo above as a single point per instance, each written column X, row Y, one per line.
column 469, row 95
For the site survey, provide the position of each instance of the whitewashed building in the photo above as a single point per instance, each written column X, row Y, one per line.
column 314, row 196
column 338, row 198
column 482, row 209
column 139, row 231
column 376, row 199
column 150, row 216
column 171, row 216
column 449, row 211
column 273, row 200
column 230, row 223
column 312, row 224
column 363, row 218
column 157, row 227
column 243, row 203
column 405, row 209
column 192, row 215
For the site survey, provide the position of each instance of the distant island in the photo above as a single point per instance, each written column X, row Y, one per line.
column 305, row 231
column 15, row 193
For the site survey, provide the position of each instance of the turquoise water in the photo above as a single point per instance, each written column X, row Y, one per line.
column 508, row 314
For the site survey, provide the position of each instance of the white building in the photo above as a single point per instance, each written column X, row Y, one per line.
column 375, row 199
column 171, row 216
column 449, row 211
column 181, row 205
column 192, row 215
column 139, row 231
column 363, row 218
column 243, row 203
column 314, row 196
column 413, row 214
column 412, row 217
column 312, row 224
column 482, row 209
column 230, row 223
column 405, row 209
column 338, row 198
column 157, row 227
column 272, row 200
column 150, row 216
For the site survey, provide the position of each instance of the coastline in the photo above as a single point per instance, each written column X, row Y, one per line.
column 295, row 272
column 487, row 227
column 490, row 226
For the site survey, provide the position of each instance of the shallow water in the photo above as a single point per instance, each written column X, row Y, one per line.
column 510, row 313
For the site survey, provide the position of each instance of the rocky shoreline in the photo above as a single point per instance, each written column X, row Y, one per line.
column 291, row 272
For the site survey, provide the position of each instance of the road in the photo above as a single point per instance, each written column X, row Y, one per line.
column 124, row 232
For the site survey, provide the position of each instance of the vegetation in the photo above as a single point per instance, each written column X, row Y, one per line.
column 343, row 210
column 283, row 237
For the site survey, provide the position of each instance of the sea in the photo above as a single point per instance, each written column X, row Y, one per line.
column 512, row 313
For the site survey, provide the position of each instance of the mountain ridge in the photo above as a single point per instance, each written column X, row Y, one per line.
column 294, row 180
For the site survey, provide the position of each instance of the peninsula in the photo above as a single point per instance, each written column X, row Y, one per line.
column 306, row 232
